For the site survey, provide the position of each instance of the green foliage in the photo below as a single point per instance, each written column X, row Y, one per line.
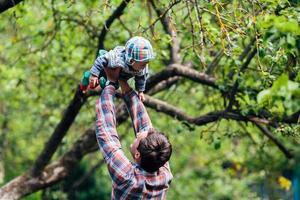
column 283, row 98
column 281, row 23
column 46, row 46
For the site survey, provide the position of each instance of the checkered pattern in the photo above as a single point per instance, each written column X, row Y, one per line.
column 138, row 49
column 129, row 180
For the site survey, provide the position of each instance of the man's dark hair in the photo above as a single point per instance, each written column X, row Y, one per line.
column 155, row 150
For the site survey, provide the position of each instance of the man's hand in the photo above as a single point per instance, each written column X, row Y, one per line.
column 93, row 82
column 141, row 96
column 112, row 74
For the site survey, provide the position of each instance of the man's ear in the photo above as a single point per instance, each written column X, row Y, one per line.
column 137, row 155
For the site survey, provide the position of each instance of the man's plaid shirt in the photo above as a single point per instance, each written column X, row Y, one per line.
column 129, row 180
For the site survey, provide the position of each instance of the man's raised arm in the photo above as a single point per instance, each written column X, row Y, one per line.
column 106, row 132
column 138, row 113
column 118, row 165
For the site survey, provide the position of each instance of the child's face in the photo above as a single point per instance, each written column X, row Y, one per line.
column 136, row 65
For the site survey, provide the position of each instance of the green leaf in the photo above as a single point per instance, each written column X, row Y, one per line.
column 291, row 40
column 281, row 81
column 217, row 145
column 293, row 86
column 263, row 96
column 290, row 26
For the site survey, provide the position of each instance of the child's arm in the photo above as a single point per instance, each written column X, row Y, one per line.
column 140, row 82
column 140, row 85
column 98, row 66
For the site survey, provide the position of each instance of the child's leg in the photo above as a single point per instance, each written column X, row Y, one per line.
column 102, row 74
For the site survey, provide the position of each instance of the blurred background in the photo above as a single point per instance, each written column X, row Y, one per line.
column 224, row 87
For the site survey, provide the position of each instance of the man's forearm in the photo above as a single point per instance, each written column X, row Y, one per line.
column 140, row 118
column 106, row 122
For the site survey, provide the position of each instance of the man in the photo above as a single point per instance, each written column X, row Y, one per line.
column 149, row 176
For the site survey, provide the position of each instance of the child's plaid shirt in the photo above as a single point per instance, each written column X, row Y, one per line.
column 129, row 180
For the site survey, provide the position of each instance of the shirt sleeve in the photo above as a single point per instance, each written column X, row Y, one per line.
column 140, row 80
column 119, row 166
column 98, row 65
column 138, row 113
column 167, row 170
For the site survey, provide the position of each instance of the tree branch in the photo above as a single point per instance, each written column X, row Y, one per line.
column 294, row 118
column 89, row 28
column 6, row 4
column 165, row 84
column 210, row 68
column 117, row 13
column 236, row 84
column 166, row 22
column 59, row 132
column 243, row 55
column 25, row 184
column 179, row 70
column 83, row 178
column 162, row 14
column 176, row 113
column 269, row 134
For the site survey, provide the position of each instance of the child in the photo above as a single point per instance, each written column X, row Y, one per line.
column 132, row 59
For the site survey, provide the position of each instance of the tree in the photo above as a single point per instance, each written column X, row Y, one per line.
column 242, row 53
